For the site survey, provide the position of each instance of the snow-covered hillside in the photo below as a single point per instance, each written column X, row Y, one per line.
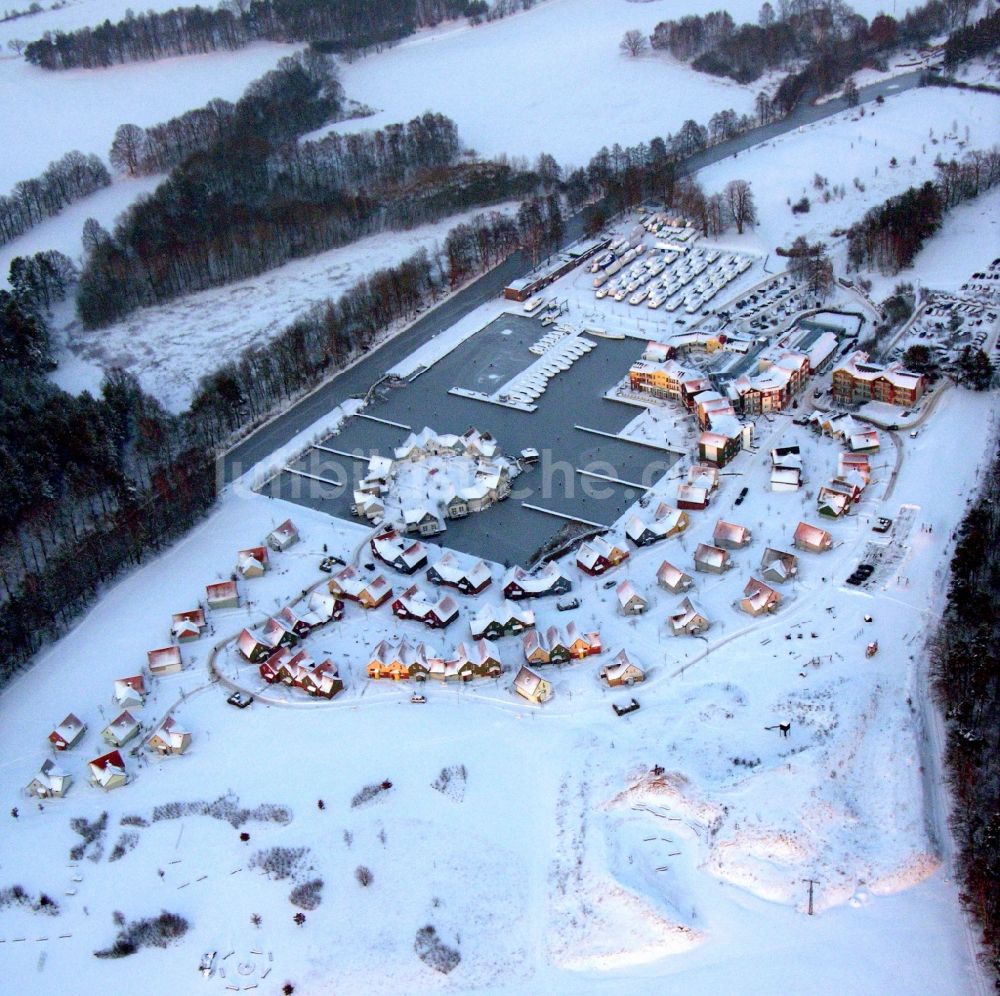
column 914, row 128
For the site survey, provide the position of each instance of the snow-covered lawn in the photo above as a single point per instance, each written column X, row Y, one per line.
column 45, row 114
column 919, row 124
column 170, row 347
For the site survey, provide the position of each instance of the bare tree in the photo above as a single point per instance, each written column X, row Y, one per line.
column 634, row 42
column 127, row 148
column 741, row 206
column 17, row 45
column 363, row 875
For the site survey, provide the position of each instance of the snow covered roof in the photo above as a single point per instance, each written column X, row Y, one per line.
column 626, row 593
column 541, row 581
column 503, row 613
column 69, row 728
column 860, row 368
column 220, row 590
column 162, row 658
column 692, row 495
column 711, row 556
column 671, row 576
column 811, row 535
column 617, row 668
column 760, row 596
column 105, row 767
column 687, row 612
column 451, row 572
column 730, row 532
column 285, row 532
column 527, row 682
column 786, row 475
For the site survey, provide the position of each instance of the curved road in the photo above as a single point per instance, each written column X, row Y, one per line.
column 358, row 378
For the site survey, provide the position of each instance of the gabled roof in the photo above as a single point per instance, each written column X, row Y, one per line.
column 221, row 590
column 730, row 532
column 713, row 556
column 69, row 728
column 619, row 665
column 502, row 613
column 759, row 595
column 687, row 612
column 626, row 593
column 105, row 767
column 811, row 535
column 669, row 575
column 527, row 682
column 451, row 572
column 163, row 657
column 285, row 531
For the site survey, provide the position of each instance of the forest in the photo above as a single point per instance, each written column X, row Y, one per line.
column 244, row 196
column 891, row 234
column 965, row 661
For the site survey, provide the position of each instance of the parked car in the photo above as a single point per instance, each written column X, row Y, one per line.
column 741, row 496
column 567, row 605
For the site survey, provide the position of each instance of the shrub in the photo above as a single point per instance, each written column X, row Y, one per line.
column 126, row 842
column 364, row 876
column 92, row 834
column 279, row 862
column 433, row 952
column 155, row 932
column 801, row 206
column 307, row 894
column 370, row 792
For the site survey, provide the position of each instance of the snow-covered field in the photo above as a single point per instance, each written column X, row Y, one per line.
column 548, row 80
column 170, row 347
column 918, row 125
column 45, row 114
column 558, row 864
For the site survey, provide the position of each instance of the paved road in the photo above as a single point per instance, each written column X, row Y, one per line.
column 359, row 378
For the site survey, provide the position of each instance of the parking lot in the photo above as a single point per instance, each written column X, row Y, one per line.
column 508, row 532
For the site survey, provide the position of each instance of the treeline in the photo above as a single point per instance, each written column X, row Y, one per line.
column 831, row 38
column 65, row 181
column 977, row 39
column 966, row 677
column 302, row 92
column 332, row 25
column 890, row 235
